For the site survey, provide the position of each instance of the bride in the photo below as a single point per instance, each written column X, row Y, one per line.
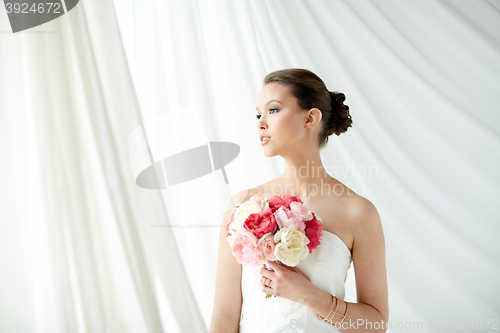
column 295, row 116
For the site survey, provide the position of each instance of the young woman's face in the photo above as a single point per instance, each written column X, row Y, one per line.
column 281, row 119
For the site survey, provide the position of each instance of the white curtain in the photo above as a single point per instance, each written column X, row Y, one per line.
column 84, row 248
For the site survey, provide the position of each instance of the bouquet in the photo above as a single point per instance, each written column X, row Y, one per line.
column 278, row 228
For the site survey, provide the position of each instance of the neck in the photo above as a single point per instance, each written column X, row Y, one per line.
column 304, row 175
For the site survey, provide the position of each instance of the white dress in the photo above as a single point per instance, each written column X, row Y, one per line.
column 326, row 267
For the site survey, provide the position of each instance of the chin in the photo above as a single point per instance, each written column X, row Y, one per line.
column 269, row 152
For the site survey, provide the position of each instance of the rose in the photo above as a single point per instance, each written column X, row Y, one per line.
column 261, row 224
column 241, row 214
column 246, row 250
column 286, row 217
column 291, row 246
column 266, row 245
column 314, row 231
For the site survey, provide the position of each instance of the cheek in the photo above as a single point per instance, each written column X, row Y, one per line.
column 288, row 127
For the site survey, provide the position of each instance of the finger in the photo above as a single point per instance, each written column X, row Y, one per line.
column 267, row 273
column 273, row 264
column 295, row 269
column 267, row 289
column 267, row 266
column 266, row 281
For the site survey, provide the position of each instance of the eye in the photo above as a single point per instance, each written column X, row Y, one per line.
column 258, row 116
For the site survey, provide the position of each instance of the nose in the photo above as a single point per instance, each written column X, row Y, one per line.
column 261, row 124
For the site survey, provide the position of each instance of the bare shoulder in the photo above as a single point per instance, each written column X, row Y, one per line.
column 344, row 215
column 362, row 211
column 364, row 220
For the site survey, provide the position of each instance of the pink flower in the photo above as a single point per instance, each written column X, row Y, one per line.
column 314, row 231
column 259, row 201
column 287, row 217
column 301, row 210
column 231, row 219
column 261, row 224
column 267, row 245
column 276, row 201
column 246, row 250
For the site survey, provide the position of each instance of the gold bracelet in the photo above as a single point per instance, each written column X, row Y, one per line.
column 321, row 318
column 334, row 312
column 345, row 314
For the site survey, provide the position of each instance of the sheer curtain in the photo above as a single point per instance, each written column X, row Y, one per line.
column 91, row 100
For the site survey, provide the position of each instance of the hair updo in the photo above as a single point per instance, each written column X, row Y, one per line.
column 311, row 92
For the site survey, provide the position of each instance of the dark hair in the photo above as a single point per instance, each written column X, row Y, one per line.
column 311, row 92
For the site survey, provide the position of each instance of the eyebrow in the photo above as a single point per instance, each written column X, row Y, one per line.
column 273, row 100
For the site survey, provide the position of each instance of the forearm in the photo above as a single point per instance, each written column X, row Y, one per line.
column 224, row 324
column 360, row 317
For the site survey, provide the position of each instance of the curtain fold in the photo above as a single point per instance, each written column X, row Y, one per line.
column 92, row 262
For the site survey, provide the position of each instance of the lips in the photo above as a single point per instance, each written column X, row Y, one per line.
column 264, row 139
column 264, row 136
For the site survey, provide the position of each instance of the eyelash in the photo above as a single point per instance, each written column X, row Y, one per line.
column 258, row 116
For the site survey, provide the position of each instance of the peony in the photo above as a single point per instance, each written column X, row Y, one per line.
column 261, row 224
column 262, row 202
column 231, row 219
column 240, row 215
column 279, row 228
column 286, row 218
column 231, row 238
column 292, row 246
column 266, row 245
column 276, row 201
column 301, row 210
column 314, row 231
column 246, row 250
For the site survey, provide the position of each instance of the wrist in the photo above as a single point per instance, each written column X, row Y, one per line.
column 318, row 299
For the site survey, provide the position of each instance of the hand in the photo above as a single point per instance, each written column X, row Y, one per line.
column 287, row 282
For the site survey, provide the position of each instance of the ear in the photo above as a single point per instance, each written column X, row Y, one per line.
column 313, row 117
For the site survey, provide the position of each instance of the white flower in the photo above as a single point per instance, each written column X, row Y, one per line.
column 277, row 236
column 241, row 214
column 262, row 202
column 292, row 246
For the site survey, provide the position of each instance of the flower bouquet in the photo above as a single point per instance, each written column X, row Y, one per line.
column 278, row 228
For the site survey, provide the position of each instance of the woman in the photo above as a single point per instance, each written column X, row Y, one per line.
column 296, row 114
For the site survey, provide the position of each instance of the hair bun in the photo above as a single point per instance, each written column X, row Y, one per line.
column 341, row 119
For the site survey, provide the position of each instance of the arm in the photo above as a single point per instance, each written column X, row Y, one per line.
column 228, row 299
column 371, row 278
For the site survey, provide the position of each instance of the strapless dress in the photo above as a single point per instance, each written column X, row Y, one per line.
column 326, row 267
